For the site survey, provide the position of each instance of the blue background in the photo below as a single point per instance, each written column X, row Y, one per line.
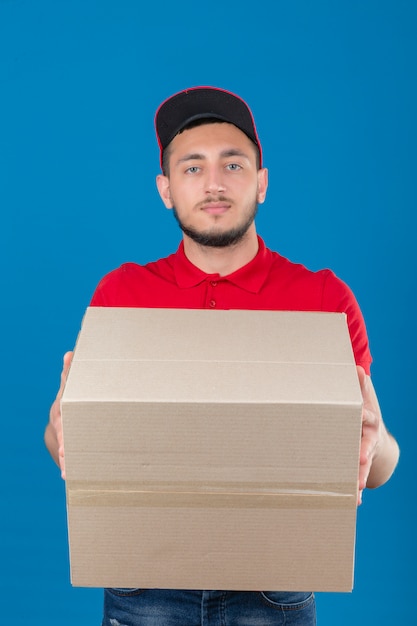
column 333, row 89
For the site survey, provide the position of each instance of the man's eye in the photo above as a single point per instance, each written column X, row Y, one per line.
column 193, row 169
column 233, row 166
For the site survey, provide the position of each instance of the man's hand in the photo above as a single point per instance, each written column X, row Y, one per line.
column 379, row 451
column 53, row 433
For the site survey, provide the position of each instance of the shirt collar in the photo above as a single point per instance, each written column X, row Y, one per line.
column 250, row 277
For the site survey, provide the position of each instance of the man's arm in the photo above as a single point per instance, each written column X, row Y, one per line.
column 53, row 432
column 379, row 452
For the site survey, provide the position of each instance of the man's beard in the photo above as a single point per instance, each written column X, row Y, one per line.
column 218, row 239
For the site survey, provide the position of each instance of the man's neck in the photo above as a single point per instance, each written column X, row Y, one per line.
column 225, row 260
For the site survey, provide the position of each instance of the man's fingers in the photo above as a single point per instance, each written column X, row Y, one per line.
column 66, row 365
column 368, row 444
column 67, row 359
column 365, row 459
column 64, row 373
column 61, row 461
column 55, row 416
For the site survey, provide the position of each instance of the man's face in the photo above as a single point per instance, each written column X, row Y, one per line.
column 214, row 185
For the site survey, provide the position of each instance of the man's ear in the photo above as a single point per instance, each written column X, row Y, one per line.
column 262, row 184
column 162, row 183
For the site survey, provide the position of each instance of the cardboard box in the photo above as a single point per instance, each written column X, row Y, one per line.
column 212, row 450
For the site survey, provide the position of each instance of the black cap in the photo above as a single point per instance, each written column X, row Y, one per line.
column 199, row 103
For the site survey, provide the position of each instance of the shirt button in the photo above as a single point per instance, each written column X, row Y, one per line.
column 212, row 303
column 213, row 283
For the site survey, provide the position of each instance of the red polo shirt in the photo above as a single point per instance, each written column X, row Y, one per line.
column 268, row 282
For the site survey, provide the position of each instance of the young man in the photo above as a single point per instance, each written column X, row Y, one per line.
column 213, row 180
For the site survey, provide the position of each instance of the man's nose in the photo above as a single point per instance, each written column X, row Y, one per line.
column 215, row 181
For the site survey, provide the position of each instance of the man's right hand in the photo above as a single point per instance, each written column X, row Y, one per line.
column 53, row 433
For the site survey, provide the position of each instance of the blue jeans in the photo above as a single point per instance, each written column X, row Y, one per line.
column 159, row 607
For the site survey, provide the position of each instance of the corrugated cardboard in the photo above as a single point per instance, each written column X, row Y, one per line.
column 212, row 450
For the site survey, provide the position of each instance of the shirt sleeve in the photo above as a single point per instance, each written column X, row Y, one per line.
column 107, row 290
column 338, row 296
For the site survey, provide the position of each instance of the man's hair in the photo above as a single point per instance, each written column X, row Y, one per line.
column 200, row 122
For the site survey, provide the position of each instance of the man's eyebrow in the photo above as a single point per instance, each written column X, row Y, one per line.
column 192, row 156
column 234, row 152
column 197, row 156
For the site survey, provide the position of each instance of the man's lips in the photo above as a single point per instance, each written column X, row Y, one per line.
column 216, row 208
